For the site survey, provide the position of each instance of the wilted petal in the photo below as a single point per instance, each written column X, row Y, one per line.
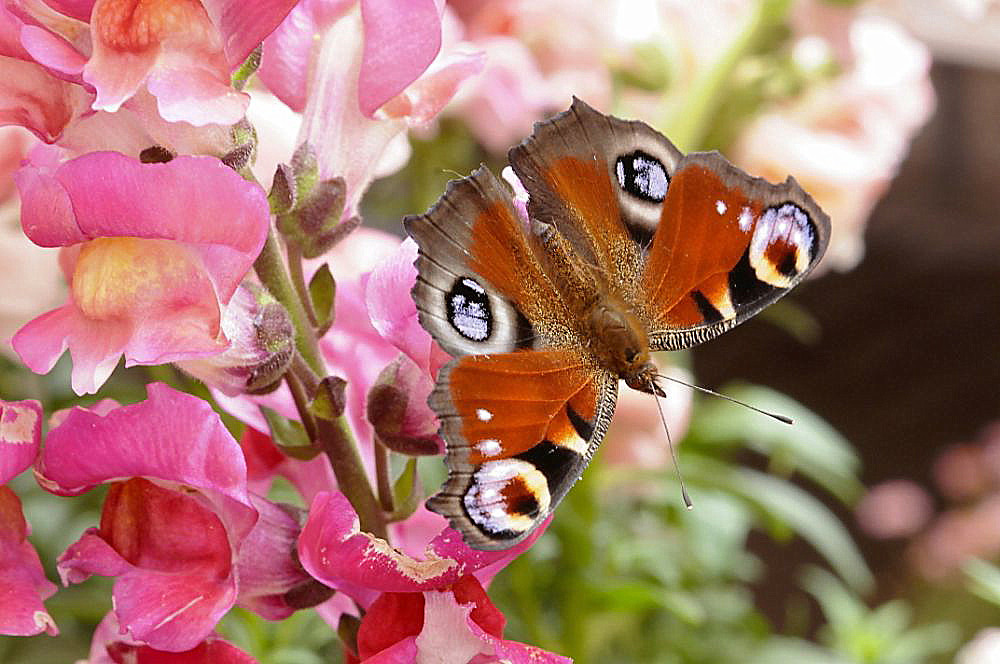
column 334, row 550
column 20, row 435
column 23, row 585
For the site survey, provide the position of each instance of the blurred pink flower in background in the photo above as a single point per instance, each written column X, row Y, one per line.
column 636, row 438
column 897, row 508
column 984, row 648
column 844, row 139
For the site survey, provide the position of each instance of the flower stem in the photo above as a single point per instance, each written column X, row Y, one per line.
column 334, row 436
column 688, row 129
column 294, row 254
column 382, row 476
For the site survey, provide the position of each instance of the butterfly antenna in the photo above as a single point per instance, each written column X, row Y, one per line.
column 780, row 418
column 673, row 453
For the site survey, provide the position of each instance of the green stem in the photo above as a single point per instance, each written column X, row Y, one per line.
column 688, row 129
column 334, row 436
column 382, row 475
column 339, row 447
column 294, row 254
column 301, row 398
column 271, row 268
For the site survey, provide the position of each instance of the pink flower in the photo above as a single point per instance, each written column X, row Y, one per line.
column 149, row 265
column 110, row 646
column 178, row 529
column 31, row 95
column 182, row 51
column 23, row 585
column 636, row 438
column 20, row 436
column 897, row 508
column 361, row 73
column 452, row 625
column 845, row 139
column 435, row 605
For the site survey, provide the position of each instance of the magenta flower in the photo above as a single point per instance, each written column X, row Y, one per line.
column 435, row 605
column 179, row 529
column 150, row 267
column 110, row 646
column 23, row 585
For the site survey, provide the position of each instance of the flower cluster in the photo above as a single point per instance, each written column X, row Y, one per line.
column 187, row 176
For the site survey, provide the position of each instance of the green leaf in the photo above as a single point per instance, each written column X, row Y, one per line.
column 289, row 435
column 322, row 292
column 983, row 579
column 407, row 492
column 781, row 500
column 786, row 650
column 809, row 445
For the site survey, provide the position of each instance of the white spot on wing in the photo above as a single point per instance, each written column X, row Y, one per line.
column 488, row 447
column 746, row 219
column 720, row 207
column 484, row 415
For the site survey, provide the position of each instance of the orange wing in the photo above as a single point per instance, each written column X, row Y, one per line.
column 727, row 245
column 520, row 428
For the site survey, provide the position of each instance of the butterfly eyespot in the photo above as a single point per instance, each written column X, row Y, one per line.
column 643, row 176
column 468, row 309
column 506, row 496
column 782, row 245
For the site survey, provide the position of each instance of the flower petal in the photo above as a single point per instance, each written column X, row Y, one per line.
column 22, row 582
column 333, row 549
column 20, row 435
column 402, row 37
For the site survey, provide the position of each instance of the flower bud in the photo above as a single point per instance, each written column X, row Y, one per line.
column 261, row 341
column 397, row 409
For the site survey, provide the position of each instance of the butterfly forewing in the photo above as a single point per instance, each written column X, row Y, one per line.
column 727, row 246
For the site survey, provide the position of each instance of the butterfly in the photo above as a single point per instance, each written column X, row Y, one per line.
column 629, row 247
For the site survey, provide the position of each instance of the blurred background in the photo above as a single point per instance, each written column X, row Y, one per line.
column 867, row 532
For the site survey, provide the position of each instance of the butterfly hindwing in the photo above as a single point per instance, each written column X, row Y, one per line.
column 727, row 246
column 520, row 428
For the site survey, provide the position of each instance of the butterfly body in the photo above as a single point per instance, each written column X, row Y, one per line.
column 629, row 247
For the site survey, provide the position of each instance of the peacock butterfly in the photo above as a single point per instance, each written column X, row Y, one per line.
column 629, row 247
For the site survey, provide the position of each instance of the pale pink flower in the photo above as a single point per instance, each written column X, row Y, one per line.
column 957, row 536
column 896, row 508
column 636, row 437
column 182, row 51
column 149, row 264
column 539, row 54
column 361, row 73
column 844, row 139
column 984, row 648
